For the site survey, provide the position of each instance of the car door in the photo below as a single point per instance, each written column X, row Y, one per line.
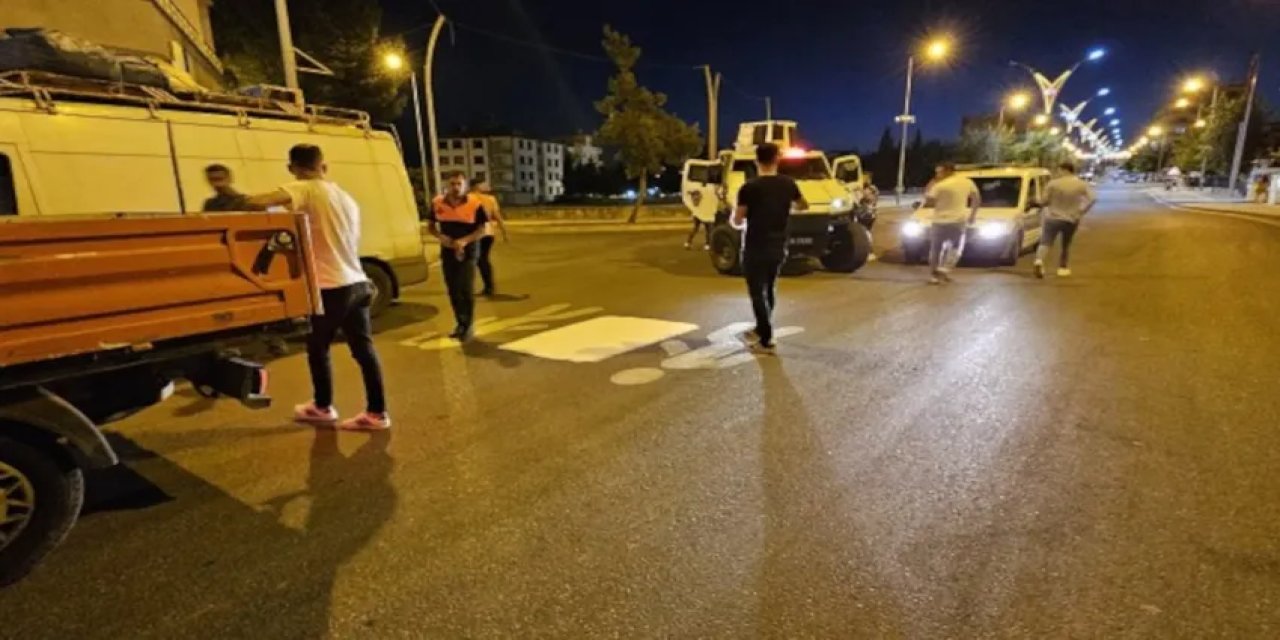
column 848, row 169
column 1033, row 211
column 700, row 186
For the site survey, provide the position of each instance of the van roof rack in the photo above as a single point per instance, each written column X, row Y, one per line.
column 44, row 87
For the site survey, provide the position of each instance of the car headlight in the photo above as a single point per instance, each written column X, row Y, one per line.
column 992, row 230
column 912, row 229
column 837, row 204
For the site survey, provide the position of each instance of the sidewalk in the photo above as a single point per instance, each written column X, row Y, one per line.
column 1213, row 202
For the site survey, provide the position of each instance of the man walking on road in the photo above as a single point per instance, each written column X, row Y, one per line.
column 955, row 200
column 489, row 202
column 457, row 220
column 764, row 207
column 1067, row 200
column 345, row 291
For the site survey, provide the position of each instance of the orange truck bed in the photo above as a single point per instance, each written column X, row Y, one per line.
column 76, row 286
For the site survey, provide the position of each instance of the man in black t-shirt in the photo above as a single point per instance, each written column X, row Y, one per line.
column 764, row 206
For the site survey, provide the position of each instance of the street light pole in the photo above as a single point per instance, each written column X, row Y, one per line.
column 428, row 86
column 1243, row 132
column 287, row 57
column 713, row 107
column 417, row 117
column 905, row 119
column 768, row 108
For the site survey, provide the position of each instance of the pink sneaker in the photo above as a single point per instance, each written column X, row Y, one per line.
column 367, row 422
column 311, row 414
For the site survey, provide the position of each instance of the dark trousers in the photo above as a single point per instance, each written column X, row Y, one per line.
column 345, row 308
column 1050, row 232
column 483, row 264
column 762, row 284
column 693, row 233
column 460, row 280
column 946, row 243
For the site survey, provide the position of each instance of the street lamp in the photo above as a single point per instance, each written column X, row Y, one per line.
column 394, row 62
column 1194, row 84
column 1155, row 131
column 1201, row 123
column 1182, row 103
column 1015, row 102
column 1104, row 92
column 1050, row 89
column 1115, row 122
column 935, row 50
column 1109, row 111
column 1040, row 120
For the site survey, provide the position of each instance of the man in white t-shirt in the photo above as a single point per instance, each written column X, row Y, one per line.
column 955, row 201
column 345, row 291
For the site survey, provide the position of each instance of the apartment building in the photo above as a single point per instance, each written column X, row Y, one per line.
column 520, row 170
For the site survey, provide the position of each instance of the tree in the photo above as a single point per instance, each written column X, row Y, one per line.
column 646, row 135
column 342, row 34
column 1038, row 147
column 985, row 144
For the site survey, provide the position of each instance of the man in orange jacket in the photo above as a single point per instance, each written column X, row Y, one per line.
column 457, row 220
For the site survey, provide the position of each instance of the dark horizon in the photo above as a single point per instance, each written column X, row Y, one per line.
column 537, row 66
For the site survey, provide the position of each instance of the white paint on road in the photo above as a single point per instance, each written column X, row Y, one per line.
column 725, row 350
column 534, row 321
column 598, row 339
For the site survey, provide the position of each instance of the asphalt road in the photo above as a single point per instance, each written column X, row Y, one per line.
column 1003, row 457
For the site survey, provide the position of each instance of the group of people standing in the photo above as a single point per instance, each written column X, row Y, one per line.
column 463, row 221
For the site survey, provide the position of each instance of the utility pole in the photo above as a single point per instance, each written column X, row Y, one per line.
column 1254, row 63
column 428, row 86
column 768, row 108
column 906, row 119
column 713, row 105
column 287, row 57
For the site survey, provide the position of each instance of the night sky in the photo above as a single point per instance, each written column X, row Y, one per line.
column 835, row 66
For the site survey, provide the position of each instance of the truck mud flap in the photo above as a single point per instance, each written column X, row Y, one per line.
column 233, row 377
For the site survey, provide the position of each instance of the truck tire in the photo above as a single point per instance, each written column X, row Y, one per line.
column 384, row 287
column 40, row 498
column 726, row 250
column 850, row 248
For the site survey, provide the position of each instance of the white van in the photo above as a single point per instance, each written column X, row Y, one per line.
column 1008, row 222
column 73, row 146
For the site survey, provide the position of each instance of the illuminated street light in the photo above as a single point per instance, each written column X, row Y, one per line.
column 393, row 61
column 1194, row 84
column 1055, row 131
column 1115, row 122
column 1182, row 103
column 1155, row 131
column 1201, row 123
column 938, row 49
column 1110, row 111
column 1019, row 101
column 1104, row 92
column 935, row 50
column 1051, row 89
column 1040, row 120
column 1097, row 54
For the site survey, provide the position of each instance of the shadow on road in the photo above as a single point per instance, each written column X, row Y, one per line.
column 812, row 552
column 248, row 570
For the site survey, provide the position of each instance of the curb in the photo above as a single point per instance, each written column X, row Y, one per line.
column 1271, row 220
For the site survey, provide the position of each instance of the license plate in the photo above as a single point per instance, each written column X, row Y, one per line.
column 801, row 241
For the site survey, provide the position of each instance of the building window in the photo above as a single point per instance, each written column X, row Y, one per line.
column 444, row 145
column 480, row 177
column 459, row 160
column 457, row 144
column 477, row 144
column 477, row 160
column 8, row 190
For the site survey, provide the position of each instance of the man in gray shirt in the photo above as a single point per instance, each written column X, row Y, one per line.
column 1066, row 201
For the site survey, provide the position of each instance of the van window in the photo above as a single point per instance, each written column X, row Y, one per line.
column 999, row 192
column 8, row 190
column 747, row 167
column 760, row 135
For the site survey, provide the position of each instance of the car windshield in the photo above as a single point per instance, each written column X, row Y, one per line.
column 999, row 192
column 812, row 168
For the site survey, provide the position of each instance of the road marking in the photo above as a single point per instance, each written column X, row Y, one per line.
column 534, row 321
column 598, row 339
column 725, row 350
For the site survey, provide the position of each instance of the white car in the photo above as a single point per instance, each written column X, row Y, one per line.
column 1008, row 222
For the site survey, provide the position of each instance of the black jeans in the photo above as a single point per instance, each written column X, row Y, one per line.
column 460, row 280
column 345, row 308
column 483, row 264
column 1050, row 232
column 706, row 229
column 762, row 284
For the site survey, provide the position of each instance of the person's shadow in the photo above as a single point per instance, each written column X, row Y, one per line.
column 204, row 563
column 817, row 579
